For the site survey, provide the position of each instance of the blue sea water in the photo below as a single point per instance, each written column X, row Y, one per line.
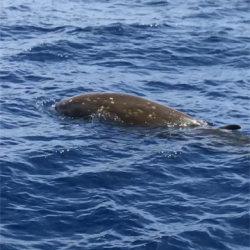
column 68, row 184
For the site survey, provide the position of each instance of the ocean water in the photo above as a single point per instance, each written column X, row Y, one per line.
column 68, row 184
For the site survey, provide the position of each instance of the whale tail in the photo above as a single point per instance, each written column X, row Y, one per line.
column 231, row 127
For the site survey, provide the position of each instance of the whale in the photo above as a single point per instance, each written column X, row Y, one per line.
column 127, row 109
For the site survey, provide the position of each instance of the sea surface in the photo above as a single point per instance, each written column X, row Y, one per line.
column 70, row 184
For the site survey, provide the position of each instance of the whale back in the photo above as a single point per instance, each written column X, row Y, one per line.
column 125, row 108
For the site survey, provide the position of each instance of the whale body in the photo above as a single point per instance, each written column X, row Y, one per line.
column 127, row 109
